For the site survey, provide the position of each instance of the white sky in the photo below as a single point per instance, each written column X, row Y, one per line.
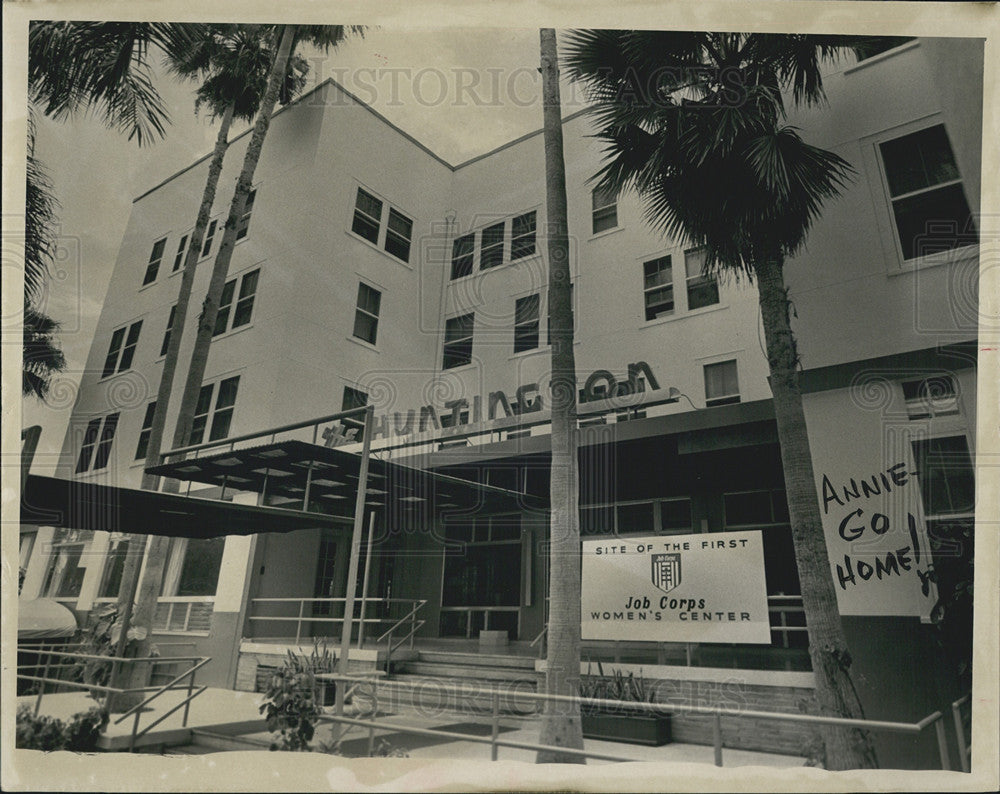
column 460, row 93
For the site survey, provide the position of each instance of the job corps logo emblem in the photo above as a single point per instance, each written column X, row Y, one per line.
column 666, row 571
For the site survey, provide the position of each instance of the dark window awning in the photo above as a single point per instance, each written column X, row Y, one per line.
column 54, row 502
column 285, row 470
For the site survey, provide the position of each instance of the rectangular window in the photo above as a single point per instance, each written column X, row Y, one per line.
column 121, row 351
column 219, row 418
column 354, row 398
column 166, row 334
column 107, row 438
column 522, row 236
column 367, row 216
column 224, row 403
column 181, row 251
column 604, row 204
column 111, row 579
column 702, row 289
column 87, row 447
column 243, row 226
column 193, row 567
column 675, row 515
column 526, row 314
column 147, row 427
column 947, row 479
column 240, row 315
column 463, row 251
column 658, row 287
column 722, row 385
column 155, row 257
column 930, row 397
column 398, row 234
column 206, row 246
column 458, row 341
column 491, row 246
column 366, row 314
column 925, row 188
column 64, row 578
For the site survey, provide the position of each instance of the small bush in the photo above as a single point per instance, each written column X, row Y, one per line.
column 80, row 734
column 292, row 706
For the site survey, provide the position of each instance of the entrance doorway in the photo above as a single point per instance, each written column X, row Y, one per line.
column 482, row 577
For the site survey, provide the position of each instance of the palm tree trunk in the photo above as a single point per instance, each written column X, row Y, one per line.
column 560, row 721
column 133, row 561
column 835, row 692
column 210, row 308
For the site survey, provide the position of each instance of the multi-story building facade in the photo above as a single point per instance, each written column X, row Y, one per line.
column 368, row 270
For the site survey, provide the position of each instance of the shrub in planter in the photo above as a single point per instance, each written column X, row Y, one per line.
column 292, row 699
column 42, row 732
column 622, row 724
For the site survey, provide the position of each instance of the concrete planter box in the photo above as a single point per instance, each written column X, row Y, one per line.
column 624, row 726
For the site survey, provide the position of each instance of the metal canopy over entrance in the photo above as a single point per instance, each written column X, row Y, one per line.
column 300, row 476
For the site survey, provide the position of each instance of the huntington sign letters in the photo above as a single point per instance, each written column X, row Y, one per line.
column 706, row 587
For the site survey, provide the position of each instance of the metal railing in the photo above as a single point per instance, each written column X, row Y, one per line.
column 964, row 745
column 540, row 639
column 197, row 662
column 716, row 713
column 408, row 621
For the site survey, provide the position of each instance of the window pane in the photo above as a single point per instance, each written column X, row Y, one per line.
column 225, row 307
column 111, row 361
column 919, row 160
column 937, row 220
column 112, row 577
column 104, row 445
column 721, row 382
column 659, row 302
column 675, row 514
column 129, row 351
column 369, row 299
column 365, row 327
column 204, row 400
column 526, row 309
column 87, row 447
column 202, row 562
column 947, row 480
column 458, row 327
column 398, row 235
column 702, row 291
column 748, row 508
column 635, row 518
column 166, row 334
column 147, row 425
column 462, row 251
column 220, row 424
column 244, row 224
column 599, row 520
column 248, row 287
column 491, row 253
column 369, row 205
column 522, row 236
column 209, row 236
column 367, row 216
column 457, row 353
column 181, row 251
column 605, row 210
column 227, row 393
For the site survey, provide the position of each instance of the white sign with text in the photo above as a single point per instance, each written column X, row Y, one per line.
column 706, row 587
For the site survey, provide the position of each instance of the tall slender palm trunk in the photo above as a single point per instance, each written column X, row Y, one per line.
column 835, row 692
column 561, row 725
column 133, row 560
column 156, row 552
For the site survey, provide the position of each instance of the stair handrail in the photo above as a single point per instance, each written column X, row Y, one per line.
column 411, row 616
column 538, row 640
column 415, row 624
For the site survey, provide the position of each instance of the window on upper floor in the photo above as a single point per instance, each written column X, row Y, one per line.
column 353, row 398
column 97, row 440
column 217, row 416
column 526, row 323
column 192, row 569
column 931, row 397
column 230, row 316
column 147, row 428
column 491, row 246
column 155, row 257
column 604, row 210
column 722, row 385
column 395, row 232
column 702, row 288
column 114, row 565
column 243, row 225
column 206, row 246
column 522, row 235
column 458, row 340
column 658, row 287
column 179, row 256
column 121, row 351
column 367, row 312
column 929, row 207
column 463, row 253
column 166, row 332
column 946, row 476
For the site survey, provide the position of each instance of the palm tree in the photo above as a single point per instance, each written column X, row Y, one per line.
column 42, row 356
column 561, row 724
column 694, row 122
column 234, row 63
column 286, row 38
